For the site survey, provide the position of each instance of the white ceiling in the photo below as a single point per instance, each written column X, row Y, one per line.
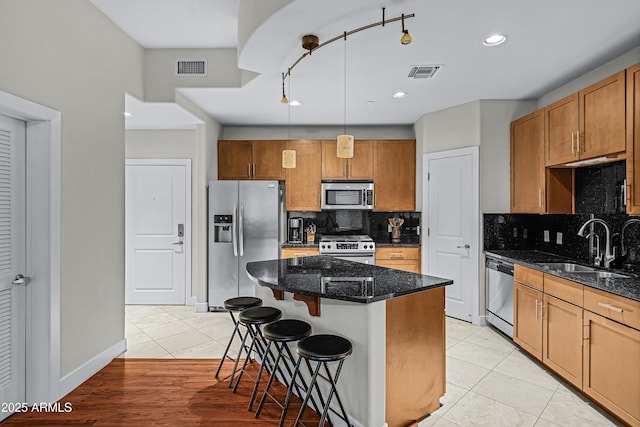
column 550, row 42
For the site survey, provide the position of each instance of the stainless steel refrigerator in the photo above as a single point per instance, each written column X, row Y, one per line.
column 244, row 223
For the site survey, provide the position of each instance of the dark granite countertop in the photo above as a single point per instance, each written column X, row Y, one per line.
column 624, row 287
column 328, row 277
column 397, row 245
column 298, row 245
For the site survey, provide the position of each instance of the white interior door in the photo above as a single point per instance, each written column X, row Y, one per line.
column 452, row 220
column 12, row 263
column 158, row 231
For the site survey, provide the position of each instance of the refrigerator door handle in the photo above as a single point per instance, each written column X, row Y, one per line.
column 241, row 231
column 234, row 234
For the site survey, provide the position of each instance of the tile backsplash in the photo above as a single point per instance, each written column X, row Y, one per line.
column 557, row 234
column 374, row 224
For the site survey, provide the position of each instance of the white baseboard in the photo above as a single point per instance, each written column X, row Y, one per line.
column 202, row 307
column 73, row 379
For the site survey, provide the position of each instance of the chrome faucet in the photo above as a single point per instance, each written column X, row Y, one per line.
column 623, row 251
column 608, row 255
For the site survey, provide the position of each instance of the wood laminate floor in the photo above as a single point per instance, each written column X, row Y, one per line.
column 161, row 392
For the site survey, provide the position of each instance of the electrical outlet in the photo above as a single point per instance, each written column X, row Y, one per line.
column 515, row 231
column 524, row 233
column 558, row 238
column 546, row 235
column 388, row 228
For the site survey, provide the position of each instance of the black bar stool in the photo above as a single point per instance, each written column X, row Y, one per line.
column 283, row 332
column 322, row 348
column 253, row 318
column 236, row 304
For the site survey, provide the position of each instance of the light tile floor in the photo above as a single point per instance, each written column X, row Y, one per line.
column 489, row 381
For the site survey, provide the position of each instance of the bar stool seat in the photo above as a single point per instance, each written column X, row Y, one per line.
column 241, row 303
column 283, row 332
column 253, row 318
column 231, row 305
column 325, row 348
column 322, row 349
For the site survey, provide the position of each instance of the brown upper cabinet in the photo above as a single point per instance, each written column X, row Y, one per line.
column 394, row 175
column 360, row 167
column 251, row 160
column 587, row 124
column 304, row 181
column 527, row 164
column 633, row 140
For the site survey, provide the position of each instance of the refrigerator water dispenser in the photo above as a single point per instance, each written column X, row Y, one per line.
column 222, row 228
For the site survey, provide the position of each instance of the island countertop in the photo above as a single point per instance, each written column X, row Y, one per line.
column 328, row 277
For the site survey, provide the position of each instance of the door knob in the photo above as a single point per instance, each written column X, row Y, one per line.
column 466, row 246
column 178, row 243
column 20, row 280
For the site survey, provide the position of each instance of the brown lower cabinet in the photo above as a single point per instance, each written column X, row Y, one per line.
column 589, row 337
column 297, row 252
column 400, row 258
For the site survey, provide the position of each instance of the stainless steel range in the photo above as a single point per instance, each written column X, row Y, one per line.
column 357, row 248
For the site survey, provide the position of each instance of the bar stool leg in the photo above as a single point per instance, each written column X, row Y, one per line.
column 246, row 360
column 333, row 381
column 289, row 392
column 236, row 330
column 304, row 383
column 262, row 365
column 314, row 379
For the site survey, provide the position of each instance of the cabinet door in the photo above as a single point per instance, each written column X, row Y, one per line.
column 527, row 164
column 333, row 167
column 611, row 368
column 234, row 160
column 267, row 160
column 633, row 140
column 360, row 167
column 561, row 129
column 303, row 181
column 394, row 175
column 410, row 265
column 562, row 338
column 602, row 118
column 527, row 319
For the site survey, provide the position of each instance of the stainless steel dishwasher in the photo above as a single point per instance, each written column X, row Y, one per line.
column 499, row 294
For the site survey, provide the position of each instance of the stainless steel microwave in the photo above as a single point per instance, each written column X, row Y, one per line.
column 347, row 195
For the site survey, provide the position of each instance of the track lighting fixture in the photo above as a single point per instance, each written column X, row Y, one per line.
column 406, row 38
column 311, row 43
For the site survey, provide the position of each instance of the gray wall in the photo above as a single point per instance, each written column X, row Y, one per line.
column 68, row 56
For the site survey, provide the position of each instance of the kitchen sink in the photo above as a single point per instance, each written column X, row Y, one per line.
column 583, row 270
column 602, row 275
column 569, row 267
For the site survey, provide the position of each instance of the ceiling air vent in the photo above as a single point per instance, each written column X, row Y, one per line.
column 191, row 68
column 422, row 71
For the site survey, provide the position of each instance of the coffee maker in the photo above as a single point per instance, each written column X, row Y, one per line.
column 295, row 230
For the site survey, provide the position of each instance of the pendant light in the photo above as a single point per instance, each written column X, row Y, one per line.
column 288, row 156
column 406, row 38
column 345, row 142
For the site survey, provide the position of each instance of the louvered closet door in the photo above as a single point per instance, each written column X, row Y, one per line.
column 12, row 263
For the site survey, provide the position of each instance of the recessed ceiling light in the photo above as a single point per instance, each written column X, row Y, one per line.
column 400, row 94
column 495, row 40
column 295, row 103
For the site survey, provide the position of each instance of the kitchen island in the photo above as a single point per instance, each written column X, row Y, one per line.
column 394, row 319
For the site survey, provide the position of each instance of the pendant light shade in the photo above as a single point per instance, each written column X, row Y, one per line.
column 345, row 146
column 289, row 159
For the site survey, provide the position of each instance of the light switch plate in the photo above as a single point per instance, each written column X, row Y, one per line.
column 546, row 235
column 524, row 233
column 515, row 231
column 559, row 238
